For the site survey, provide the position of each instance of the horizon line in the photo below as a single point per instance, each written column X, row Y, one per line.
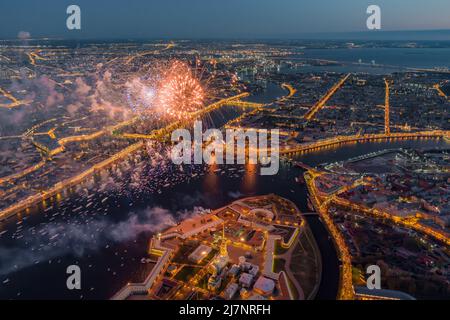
column 307, row 35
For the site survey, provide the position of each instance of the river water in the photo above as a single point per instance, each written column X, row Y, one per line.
column 387, row 60
column 109, row 239
column 108, row 263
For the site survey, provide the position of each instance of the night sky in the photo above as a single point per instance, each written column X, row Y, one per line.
column 215, row 18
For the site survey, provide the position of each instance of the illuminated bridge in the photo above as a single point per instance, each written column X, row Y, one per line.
column 362, row 138
column 240, row 103
column 78, row 179
column 164, row 133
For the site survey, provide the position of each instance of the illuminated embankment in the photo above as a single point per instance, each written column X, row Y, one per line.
column 23, row 173
column 245, row 104
column 292, row 91
column 155, row 135
column 60, row 186
column 86, row 137
column 441, row 93
column 322, row 202
column 163, row 133
column 340, row 140
column 233, row 124
column 62, row 143
column 218, row 104
column 321, row 103
column 346, row 290
column 407, row 222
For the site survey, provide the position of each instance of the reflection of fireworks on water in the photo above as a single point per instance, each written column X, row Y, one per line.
column 168, row 90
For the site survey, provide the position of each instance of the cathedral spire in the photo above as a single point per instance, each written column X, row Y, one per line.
column 223, row 245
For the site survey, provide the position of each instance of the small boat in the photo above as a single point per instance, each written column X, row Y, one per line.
column 54, row 237
column 309, row 204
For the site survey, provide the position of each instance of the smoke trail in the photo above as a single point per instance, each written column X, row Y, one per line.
column 76, row 238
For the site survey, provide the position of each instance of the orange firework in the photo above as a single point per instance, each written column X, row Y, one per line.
column 170, row 90
column 180, row 93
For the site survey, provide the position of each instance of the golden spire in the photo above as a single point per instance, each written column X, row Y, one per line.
column 223, row 245
column 223, row 231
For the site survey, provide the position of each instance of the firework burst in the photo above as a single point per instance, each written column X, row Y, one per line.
column 180, row 93
column 169, row 90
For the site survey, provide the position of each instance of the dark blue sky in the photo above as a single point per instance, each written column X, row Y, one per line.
column 215, row 18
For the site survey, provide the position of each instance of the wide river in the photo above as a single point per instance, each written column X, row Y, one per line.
column 108, row 238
